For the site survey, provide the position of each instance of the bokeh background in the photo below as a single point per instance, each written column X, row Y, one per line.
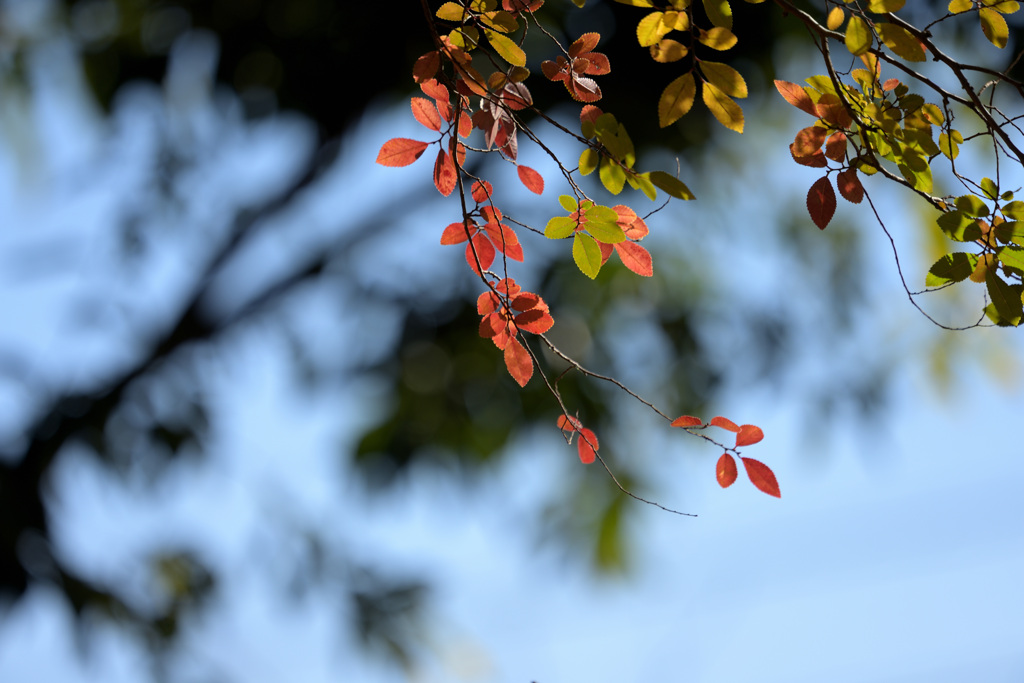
column 248, row 431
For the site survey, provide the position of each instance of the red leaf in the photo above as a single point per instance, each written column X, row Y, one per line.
column 484, row 251
column 821, row 202
column 518, row 362
column 724, row 423
column 636, row 258
column 431, row 88
column 456, row 233
column 426, row 66
column 585, row 43
column 687, row 421
column 631, row 224
column 849, row 186
column 762, row 477
column 587, row 446
column 796, row 96
column 400, row 152
column 748, row 435
column 425, row 112
column 533, row 180
column 568, row 423
column 816, row 160
column 606, row 251
column 444, row 173
column 725, row 471
column 835, row 148
column 481, row 191
column 808, row 141
column 465, row 124
column 590, row 112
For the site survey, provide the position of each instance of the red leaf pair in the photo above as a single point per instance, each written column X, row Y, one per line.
column 587, row 445
column 760, row 475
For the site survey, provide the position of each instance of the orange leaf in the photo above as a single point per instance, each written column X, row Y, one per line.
column 816, row 160
column 796, row 96
column 444, row 173
column 534, row 181
column 808, row 141
column 400, row 152
column 687, row 421
column 725, row 471
column 635, row 257
column 518, row 362
column 425, row 112
column 835, row 148
column 431, row 88
column 426, row 66
column 481, row 191
column 762, row 477
column 748, row 435
column 821, row 202
column 590, row 113
column 568, row 424
column 724, row 423
column 456, row 233
column 849, row 186
column 587, row 446
column 484, row 251
column 585, row 43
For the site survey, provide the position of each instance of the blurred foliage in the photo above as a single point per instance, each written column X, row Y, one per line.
column 451, row 406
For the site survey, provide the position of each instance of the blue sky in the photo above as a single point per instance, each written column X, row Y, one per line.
column 893, row 555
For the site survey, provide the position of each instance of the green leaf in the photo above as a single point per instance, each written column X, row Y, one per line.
column 589, row 160
column 612, row 176
column 560, row 227
column 994, row 26
column 719, row 12
column 504, row 46
column 1012, row 257
column 725, row 78
column 1014, row 210
column 671, row 185
column 587, row 255
column 901, row 41
column 568, row 202
column 971, row 205
column 1005, row 298
column 883, row 6
column 949, row 144
column 642, row 182
column 676, row 100
column 959, row 227
column 988, row 186
column 858, row 36
column 1010, row 231
column 953, row 267
column 609, row 233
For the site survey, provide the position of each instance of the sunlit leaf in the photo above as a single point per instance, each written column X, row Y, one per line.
column 808, row 141
column 668, row 50
column 724, row 423
column 994, row 26
column 762, row 477
column 901, row 41
column 456, row 233
column 676, row 100
column 479, row 248
column 613, row 177
column 1005, row 297
column 587, row 446
column 725, row 78
column 400, row 152
column 958, row 6
column 883, row 6
column 849, row 186
column 796, row 95
column 671, row 185
column 518, row 362
column 725, row 470
column 858, row 36
column 748, row 435
column 586, row 254
column 425, row 111
column 445, row 177
column 533, row 181
column 718, row 38
column 426, row 66
column 723, row 108
column 560, row 227
column 635, row 257
column 953, row 267
column 836, row 17
column 719, row 12
column 687, row 421
column 451, row 11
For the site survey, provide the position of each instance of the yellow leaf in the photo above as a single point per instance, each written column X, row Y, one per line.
column 719, row 12
column 835, row 18
column 651, row 29
column 589, row 160
column 636, row 3
column 958, row 6
column 679, row 21
column 994, row 26
column 668, row 50
column 883, row 6
column 858, row 36
column 504, row 46
column 451, row 11
column 500, row 21
column 725, row 110
column 676, row 100
column 725, row 78
column 902, row 42
column 718, row 38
